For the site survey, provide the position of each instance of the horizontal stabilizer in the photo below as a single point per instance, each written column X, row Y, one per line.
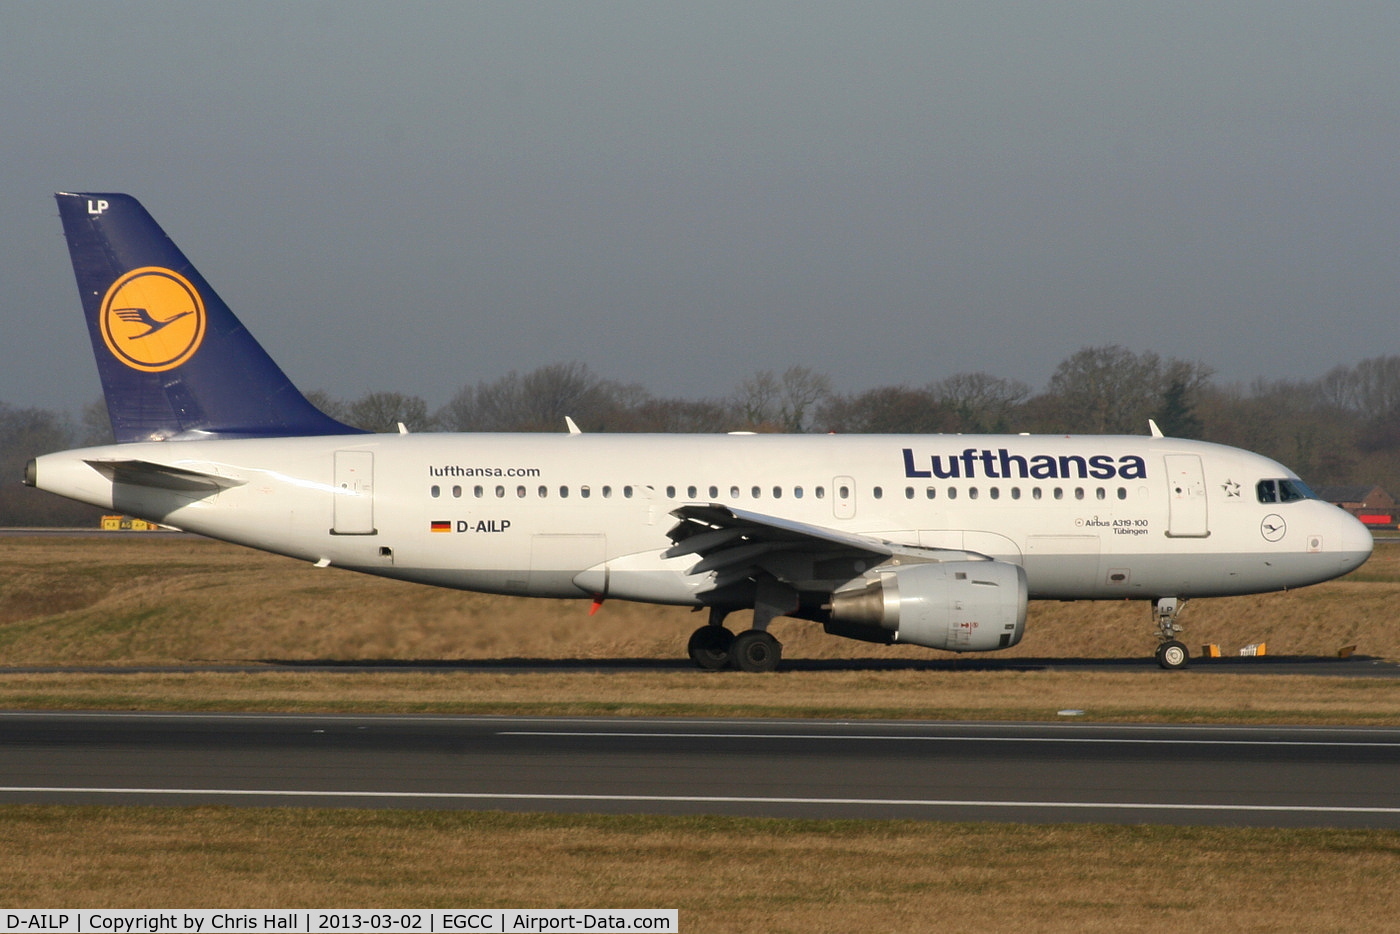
column 163, row 476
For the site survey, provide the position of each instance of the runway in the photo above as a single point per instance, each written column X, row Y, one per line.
column 781, row 768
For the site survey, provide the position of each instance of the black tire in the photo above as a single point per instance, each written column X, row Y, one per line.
column 709, row 647
column 1173, row 655
column 756, row 650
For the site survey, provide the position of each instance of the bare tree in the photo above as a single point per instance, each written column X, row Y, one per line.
column 781, row 403
column 757, row 402
column 385, row 411
column 97, row 426
column 540, row 400
column 335, row 408
column 1106, row 389
column 679, row 415
column 981, row 402
column 1111, row 390
column 1370, row 388
column 887, row 410
column 26, row 433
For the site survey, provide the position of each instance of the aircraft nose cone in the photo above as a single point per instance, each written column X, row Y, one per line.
column 1352, row 540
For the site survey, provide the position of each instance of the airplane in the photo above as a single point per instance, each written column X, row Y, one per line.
column 930, row 540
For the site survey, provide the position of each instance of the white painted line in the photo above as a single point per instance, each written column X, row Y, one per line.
column 702, row 799
column 900, row 729
column 958, row 737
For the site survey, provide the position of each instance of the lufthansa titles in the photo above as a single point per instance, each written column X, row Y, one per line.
column 1001, row 464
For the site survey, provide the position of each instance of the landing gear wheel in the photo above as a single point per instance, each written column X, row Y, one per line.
column 756, row 650
column 1172, row 655
column 709, row 647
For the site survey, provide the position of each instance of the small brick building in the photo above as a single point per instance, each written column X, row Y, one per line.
column 1371, row 504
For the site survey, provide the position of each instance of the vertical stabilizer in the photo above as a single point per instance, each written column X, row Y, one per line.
column 174, row 360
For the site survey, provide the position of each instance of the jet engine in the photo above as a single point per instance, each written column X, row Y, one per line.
column 962, row 606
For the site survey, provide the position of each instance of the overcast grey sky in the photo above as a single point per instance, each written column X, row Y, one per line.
column 416, row 196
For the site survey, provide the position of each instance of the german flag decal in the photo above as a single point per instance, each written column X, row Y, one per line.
column 442, row 526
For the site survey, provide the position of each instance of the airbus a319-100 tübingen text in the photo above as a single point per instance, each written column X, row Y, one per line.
column 933, row 540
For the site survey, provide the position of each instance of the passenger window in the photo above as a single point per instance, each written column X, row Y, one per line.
column 585, row 492
column 500, row 492
column 908, row 492
column 733, row 492
column 435, row 490
column 1101, row 493
column 563, row 492
column 1059, row 493
column 714, row 492
column 819, row 492
column 1015, row 492
column 756, row 492
column 1079, row 492
column 995, row 493
column 930, row 493
column 878, row 492
column 952, row 492
column 777, row 492
column 797, row 492
column 520, row 492
column 845, row 492
column 972, row 493
column 456, row 492
column 1036, row 493
column 544, row 491
column 691, row 492
column 607, row 492
column 478, row 491
column 1122, row 492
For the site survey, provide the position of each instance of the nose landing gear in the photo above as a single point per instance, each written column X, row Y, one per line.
column 1172, row 653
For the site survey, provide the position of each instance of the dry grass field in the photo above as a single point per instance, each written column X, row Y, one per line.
column 106, row 603
column 162, row 599
column 724, row 874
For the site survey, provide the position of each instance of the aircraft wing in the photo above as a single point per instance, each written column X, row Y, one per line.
column 736, row 543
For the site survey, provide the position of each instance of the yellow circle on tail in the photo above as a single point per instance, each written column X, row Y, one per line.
column 152, row 319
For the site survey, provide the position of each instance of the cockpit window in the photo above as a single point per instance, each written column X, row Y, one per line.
column 1283, row 491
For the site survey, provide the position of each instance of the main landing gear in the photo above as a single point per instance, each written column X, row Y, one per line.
column 1172, row 652
column 713, row 647
column 710, row 644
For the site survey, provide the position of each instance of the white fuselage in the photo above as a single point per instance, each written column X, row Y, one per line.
column 1087, row 517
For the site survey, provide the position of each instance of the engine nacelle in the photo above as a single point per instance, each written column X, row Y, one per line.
column 963, row 606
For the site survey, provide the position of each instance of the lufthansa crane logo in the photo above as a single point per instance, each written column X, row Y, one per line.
column 152, row 319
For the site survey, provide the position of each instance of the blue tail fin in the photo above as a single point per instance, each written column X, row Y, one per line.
column 174, row 360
